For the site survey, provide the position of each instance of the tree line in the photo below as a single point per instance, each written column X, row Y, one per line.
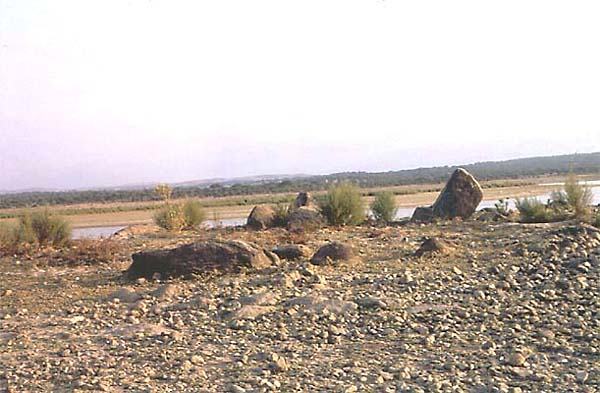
column 485, row 171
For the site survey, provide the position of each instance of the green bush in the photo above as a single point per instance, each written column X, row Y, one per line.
column 343, row 205
column 176, row 217
column 33, row 229
column 48, row 229
column 572, row 202
column 193, row 214
column 578, row 196
column 170, row 217
column 384, row 207
column 282, row 213
column 533, row 210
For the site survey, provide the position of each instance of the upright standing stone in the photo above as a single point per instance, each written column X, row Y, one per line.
column 459, row 198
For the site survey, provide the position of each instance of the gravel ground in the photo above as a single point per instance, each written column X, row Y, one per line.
column 506, row 308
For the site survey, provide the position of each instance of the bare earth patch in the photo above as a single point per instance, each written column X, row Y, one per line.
column 512, row 308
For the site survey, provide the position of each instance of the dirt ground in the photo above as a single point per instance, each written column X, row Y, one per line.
column 505, row 308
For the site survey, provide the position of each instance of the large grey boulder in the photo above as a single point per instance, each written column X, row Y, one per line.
column 305, row 219
column 261, row 217
column 201, row 257
column 459, row 198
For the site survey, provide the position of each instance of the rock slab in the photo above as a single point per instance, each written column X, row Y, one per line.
column 305, row 219
column 201, row 257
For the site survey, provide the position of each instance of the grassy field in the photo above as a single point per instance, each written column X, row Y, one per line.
column 128, row 213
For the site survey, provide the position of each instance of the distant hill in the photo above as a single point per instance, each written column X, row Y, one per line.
column 489, row 170
column 517, row 168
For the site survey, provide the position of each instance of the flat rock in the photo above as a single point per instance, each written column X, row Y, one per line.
column 201, row 257
column 305, row 219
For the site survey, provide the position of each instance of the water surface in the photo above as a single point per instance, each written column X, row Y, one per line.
column 403, row 212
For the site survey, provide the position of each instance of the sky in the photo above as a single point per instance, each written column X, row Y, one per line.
column 113, row 92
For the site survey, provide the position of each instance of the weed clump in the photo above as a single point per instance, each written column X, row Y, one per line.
column 343, row 205
column 35, row 229
column 576, row 198
column 176, row 216
column 282, row 214
column 384, row 207
column 532, row 210
column 574, row 201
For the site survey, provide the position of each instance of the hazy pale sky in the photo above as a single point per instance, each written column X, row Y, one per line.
column 111, row 92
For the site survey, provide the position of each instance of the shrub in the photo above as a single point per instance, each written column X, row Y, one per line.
column 176, row 217
column 193, row 214
column 578, row 196
column 282, row 213
column 533, row 210
column 343, row 205
column 384, row 207
column 170, row 217
column 35, row 229
column 574, row 201
column 48, row 229
column 502, row 207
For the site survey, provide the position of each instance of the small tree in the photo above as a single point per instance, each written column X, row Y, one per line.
column 343, row 205
column 384, row 207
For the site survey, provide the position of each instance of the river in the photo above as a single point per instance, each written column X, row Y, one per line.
column 403, row 212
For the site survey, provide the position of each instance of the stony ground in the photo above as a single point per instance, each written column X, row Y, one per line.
column 511, row 308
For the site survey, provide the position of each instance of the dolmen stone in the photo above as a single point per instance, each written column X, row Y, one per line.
column 459, row 198
column 201, row 257
column 305, row 219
